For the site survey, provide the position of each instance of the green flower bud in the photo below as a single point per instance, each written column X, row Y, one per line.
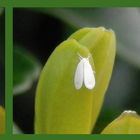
column 61, row 108
column 102, row 45
column 127, row 123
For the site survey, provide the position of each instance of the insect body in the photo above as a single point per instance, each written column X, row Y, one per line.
column 84, row 74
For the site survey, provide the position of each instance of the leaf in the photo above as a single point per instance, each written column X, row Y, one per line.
column 1, row 11
column 16, row 129
column 127, row 123
column 60, row 108
column 125, row 22
column 2, row 120
column 26, row 70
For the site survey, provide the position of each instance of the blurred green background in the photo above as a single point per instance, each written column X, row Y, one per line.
column 2, row 55
column 38, row 31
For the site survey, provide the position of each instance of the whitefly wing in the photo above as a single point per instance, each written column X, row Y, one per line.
column 79, row 75
column 89, row 78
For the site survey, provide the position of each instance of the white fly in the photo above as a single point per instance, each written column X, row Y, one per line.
column 84, row 74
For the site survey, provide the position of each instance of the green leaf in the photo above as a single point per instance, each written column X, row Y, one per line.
column 62, row 109
column 127, row 123
column 1, row 11
column 16, row 130
column 26, row 70
column 125, row 22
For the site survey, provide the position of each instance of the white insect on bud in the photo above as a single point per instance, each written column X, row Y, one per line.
column 84, row 74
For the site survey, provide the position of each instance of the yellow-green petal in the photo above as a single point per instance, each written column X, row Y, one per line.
column 60, row 108
column 127, row 123
column 102, row 45
column 2, row 120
